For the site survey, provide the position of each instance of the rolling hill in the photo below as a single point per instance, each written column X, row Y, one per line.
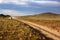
column 45, row 16
column 48, row 19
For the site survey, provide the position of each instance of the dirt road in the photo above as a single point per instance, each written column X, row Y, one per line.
column 47, row 31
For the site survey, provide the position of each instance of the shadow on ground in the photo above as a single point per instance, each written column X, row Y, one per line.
column 40, row 34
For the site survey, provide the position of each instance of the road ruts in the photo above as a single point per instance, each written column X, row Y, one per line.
column 47, row 31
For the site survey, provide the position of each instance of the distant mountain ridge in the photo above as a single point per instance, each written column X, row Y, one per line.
column 47, row 14
column 44, row 16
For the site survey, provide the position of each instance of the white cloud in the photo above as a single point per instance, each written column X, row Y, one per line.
column 46, row 2
column 13, row 12
column 1, row 1
column 18, row 2
column 26, row 2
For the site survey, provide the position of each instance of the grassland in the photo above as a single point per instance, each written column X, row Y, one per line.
column 49, row 20
column 14, row 30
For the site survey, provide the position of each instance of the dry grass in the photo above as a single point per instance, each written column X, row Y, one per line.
column 15, row 30
column 48, row 20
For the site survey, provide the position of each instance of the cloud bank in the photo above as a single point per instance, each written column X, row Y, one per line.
column 47, row 2
column 29, row 6
column 13, row 13
column 26, row 2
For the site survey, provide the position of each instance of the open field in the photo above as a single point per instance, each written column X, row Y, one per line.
column 49, row 20
column 14, row 30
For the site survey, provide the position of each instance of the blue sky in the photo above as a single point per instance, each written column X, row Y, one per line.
column 30, row 6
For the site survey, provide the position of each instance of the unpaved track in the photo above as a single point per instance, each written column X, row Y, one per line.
column 45, row 30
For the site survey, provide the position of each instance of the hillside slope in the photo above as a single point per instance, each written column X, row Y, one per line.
column 15, row 30
column 50, row 20
column 44, row 16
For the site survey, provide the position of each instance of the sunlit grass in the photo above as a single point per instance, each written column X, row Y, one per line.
column 14, row 30
column 50, row 22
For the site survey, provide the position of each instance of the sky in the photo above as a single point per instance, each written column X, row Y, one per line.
column 27, row 7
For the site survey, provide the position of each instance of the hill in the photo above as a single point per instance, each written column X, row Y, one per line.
column 44, row 16
column 11, row 29
column 50, row 20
